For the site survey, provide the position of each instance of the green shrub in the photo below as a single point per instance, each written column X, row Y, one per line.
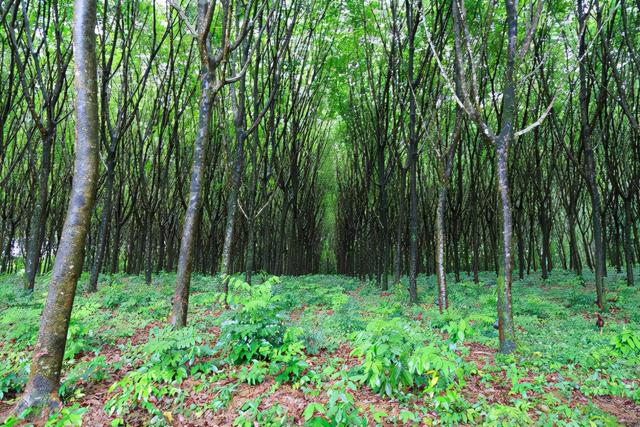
column 397, row 358
column 168, row 358
column 626, row 343
column 255, row 328
column 255, row 374
column 453, row 409
column 340, row 411
column 93, row 370
column 14, row 372
column 251, row 415
column 20, row 325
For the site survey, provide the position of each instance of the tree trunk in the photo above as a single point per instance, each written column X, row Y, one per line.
column 105, row 220
column 383, row 237
column 443, row 302
column 232, row 202
column 148, row 250
column 400, row 227
column 191, row 218
column 38, row 219
column 628, row 247
column 44, row 379
column 506, row 328
column 521, row 257
column 574, row 253
column 505, row 316
column 589, row 161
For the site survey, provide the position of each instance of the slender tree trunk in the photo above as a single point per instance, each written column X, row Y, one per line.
column 115, row 248
column 413, row 160
column 383, row 237
column 574, row 253
column 38, row 219
column 441, row 274
column 400, row 227
column 44, row 379
column 413, row 225
column 105, row 220
column 232, row 201
column 505, row 316
column 521, row 257
column 279, row 257
column 191, row 218
column 617, row 256
column 250, row 250
column 238, row 101
column 628, row 247
column 596, row 222
column 148, row 249
column 590, row 162
column 544, row 254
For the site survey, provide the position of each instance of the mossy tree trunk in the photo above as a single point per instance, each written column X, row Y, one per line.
column 44, row 379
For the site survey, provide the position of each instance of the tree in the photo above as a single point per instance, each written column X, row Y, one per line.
column 42, row 388
column 45, row 95
column 213, row 77
column 587, row 124
column 468, row 102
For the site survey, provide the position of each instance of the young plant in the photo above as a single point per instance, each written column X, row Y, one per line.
column 398, row 359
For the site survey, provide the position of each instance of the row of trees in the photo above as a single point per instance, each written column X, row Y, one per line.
column 258, row 169
column 251, row 72
column 446, row 105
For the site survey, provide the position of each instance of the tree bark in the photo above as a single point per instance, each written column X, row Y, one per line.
column 628, row 247
column 44, row 379
column 105, row 220
column 38, row 220
column 506, row 328
column 413, row 160
column 192, row 216
column 589, row 160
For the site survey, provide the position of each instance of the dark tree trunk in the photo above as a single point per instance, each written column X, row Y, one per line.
column 505, row 316
column 38, row 219
column 574, row 253
column 148, row 249
column 105, row 220
column 383, row 236
column 400, row 227
column 413, row 160
column 589, row 160
column 443, row 302
column 628, row 247
column 236, row 178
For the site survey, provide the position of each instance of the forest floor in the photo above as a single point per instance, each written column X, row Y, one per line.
column 333, row 351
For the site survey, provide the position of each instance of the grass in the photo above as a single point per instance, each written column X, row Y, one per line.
column 330, row 350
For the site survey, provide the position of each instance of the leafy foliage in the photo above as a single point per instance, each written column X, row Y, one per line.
column 332, row 359
column 398, row 358
column 169, row 358
column 256, row 327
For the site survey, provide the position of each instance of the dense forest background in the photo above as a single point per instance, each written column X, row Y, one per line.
column 309, row 159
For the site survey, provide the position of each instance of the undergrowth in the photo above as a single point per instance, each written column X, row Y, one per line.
column 331, row 344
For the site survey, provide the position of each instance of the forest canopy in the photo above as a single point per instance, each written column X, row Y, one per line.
column 392, row 202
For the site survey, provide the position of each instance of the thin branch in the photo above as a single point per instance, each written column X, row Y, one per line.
column 531, row 29
column 183, row 17
column 538, row 122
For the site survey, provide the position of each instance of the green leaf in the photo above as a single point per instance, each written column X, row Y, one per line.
column 317, row 422
column 311, row 409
